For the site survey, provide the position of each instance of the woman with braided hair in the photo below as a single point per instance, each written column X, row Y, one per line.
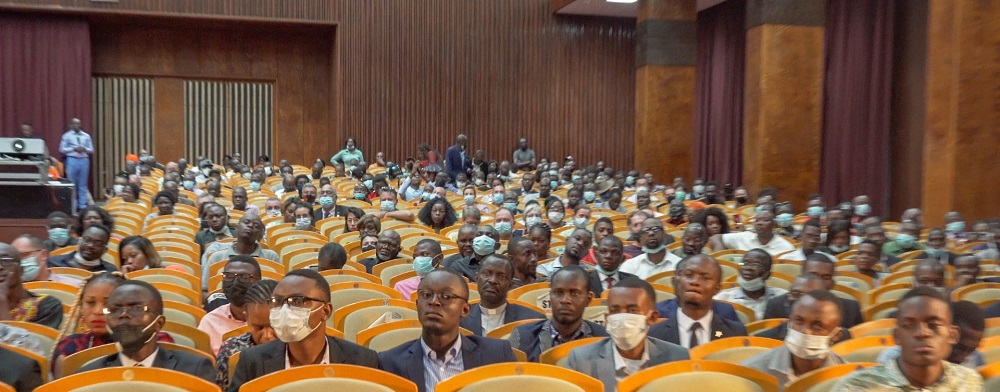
column 86, row 326
column 258, row 308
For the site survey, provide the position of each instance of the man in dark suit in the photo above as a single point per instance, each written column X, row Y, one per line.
column 93, row 244
column 570, row 294
column 493, row 281
column 441, row 351
column 19, row 371
column 300, row 291
column 822, row 267
column 630, row 302
column 328, row 204
column 609, row 258
column 387, row 249
column 135, row 316
column 695, row 322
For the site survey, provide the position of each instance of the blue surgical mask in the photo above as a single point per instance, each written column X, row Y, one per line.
column 423, row 265
column 580, row 222
column 955, row 227
column 784, row 220
column 29, row 269
column 303, row 223
column 470, row 199
column 426, row 196
column 589, row 196
column 754, row 284
column 905, row 241
column 59, row 235
column 814, row 211
column 483, row 245
column 498, row 198
column 504, row 228
column 698, row 189
column 532, row 220
column 359, row 195
column 189, row 185
column 510, row 206
column 368, row 184
column 839, row 248
column 629, row 180
column 680, row 195
column 553, row 184
column 862, row 209
column 760, row 208
column 254, row 186
column 655, row 250
column 603, row 271
column 388, row 205
column 326, row 201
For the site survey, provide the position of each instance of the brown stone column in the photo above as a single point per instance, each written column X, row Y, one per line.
column 962, row 126
column 783, row 106
column 664, row 93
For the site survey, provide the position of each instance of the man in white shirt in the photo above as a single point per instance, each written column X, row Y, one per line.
column 764, row 237
column 809, row 238
column 753, row 291
column 655, row 257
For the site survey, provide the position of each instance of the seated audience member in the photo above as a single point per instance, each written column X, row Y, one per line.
column 714, row 220
column 570, row 296
column 926, row 336
column 654, row 258
column 35, row 261
column 784, row 218
column 555, row 212
column 135, row 316
column 486, row 242
column 58, row 226
column 164, row 202
column 869, row 254
column 426, row 257
column 351, row 219
column 906, row 240
column 328, row 204
column 541, row 237
column 606, row 273
column 136, row 253
column 631, row 312
column 577, row 245
column 288, row 209
column 676, row 213
column 441, row 351
column 753, row 291
column 581, row 216
column 522, row 254
column 602, row 228
column 930, row 273
column 693, row 242
column 469, row 197
column 693, row 320
column 90, row 216
column 303, row 214
column 936, row 250
column 89, row 310
column 635, row 220
column 387, row 208
column 966, row 270
column 300, row 306
column 471, row 216
column 249, row 231
column 272, row 206
column 971, row 324
column 216, row 218
column 824, row 267
column 240, row 199
column 493, row 281
column 19, row 372
column 369, row 225
column 466, row 234
column 387, row 249
column 369, row 242
column 258, row 309
column 838, row 238
column 809, row 239
column 503, row 221
column 762, row 238
column 239, row 273
column 331, row 256
column 93, row 244
column 805, row 283
column 813, row 326
column 437, row 214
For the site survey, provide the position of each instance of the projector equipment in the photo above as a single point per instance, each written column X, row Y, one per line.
column 23, row 161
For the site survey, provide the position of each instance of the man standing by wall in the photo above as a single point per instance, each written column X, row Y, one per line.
column 77, row 146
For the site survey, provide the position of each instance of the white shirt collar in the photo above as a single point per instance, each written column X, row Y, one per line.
column 620, row 360
column 454, row 351
column 148, row 362
column 493, row 312
column 684, row 322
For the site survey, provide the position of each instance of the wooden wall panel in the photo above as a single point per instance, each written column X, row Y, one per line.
column 908, row 106
column 410, row 71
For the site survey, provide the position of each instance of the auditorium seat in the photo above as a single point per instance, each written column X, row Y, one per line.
column 733, row 350
column 349, row 275
column 147, row 379
column 355, row 317
column 823, row 379
column 521, row 377
column 699, row 376
column 862, row 349
column 759, row 326
column 503, row 331
column 534, row 293
column 346, row 293
column 559, row 355
column 881, row 327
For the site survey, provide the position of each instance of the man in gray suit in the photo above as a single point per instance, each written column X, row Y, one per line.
column 631, row 311
column 135, row 316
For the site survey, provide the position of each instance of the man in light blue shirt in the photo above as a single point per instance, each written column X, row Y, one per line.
column 77, row 146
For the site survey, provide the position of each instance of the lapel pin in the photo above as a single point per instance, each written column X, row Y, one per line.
column 718, row 334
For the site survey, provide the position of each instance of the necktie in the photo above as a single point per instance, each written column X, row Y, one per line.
column 694, row 335
column 611, row 282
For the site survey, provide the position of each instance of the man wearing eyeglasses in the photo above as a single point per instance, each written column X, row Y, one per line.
column 753, row 291
column 240, row 272
column 300, row 306
column 135, row 316
column 441, row 351
column 654, row 258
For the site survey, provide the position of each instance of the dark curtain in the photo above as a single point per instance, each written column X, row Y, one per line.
column 719, row 92
column 857, row 96
column 44, row 75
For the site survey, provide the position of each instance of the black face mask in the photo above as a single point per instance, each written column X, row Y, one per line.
column 133, row 337
column 741, row 200
column 236, row 292
column 309, row 199
column 367, row 248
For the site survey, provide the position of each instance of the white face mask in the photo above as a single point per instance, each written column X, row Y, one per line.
column 303, row 223
column 750, row 285
column 556, row 216
column 291, row 324
column 118, row 189
column 627, row 330
column 808, row 346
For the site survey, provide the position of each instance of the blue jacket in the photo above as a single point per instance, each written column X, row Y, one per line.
column 453, row 161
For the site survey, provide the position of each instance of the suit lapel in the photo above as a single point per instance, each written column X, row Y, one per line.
column 475, row 319
column 275, row 360
column 114, row 360
column 471, row 356
column 595, row 284
column 606, row 363
column 165, row 359
column 511, row 314
column 719, row 329
column 415, row 364
column 671, row 325
column 336, row 356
